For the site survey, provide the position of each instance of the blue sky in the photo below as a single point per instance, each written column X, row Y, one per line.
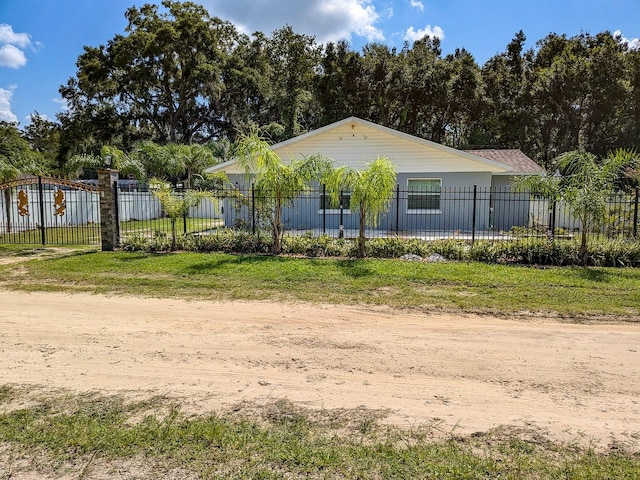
column 40, row 40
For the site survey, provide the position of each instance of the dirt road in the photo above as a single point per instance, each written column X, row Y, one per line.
column 463, row 373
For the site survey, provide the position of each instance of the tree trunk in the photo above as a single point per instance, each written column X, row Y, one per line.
column 584, row 253
column 276, row 248
column 586, row 228
column 173, row 233
column 361, row 237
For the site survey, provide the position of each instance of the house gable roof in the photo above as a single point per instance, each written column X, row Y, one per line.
column 353, row 141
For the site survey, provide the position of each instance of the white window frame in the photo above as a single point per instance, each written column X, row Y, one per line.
column 418, row 211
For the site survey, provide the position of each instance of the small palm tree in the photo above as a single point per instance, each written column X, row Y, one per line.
column 584, row 184
column 371, row 192
column 277, row 184
column 176, row 205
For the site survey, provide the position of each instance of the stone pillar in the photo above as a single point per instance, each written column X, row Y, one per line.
column 109, row 222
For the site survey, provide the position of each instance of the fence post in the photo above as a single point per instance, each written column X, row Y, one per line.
column 324, row 209
column 473, row 221
column 116, row 209
column 635, row 216
column 253, row 209
column 43, row 234
column 109, row 221
column 397, row 208
column 553, row 220
column 341, row 227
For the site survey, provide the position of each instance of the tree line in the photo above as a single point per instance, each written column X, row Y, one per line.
column 178, row 75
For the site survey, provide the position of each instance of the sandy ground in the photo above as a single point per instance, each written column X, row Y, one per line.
column 462, row 373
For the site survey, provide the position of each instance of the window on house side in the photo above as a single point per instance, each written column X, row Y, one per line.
column 423, row 195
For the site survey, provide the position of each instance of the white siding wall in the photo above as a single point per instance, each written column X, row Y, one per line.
column 353, row 144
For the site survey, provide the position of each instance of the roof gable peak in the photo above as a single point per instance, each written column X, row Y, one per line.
column 354, row 121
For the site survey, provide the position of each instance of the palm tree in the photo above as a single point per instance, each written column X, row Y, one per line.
column 196, row 159
column 111, row 157
column 371, row 191
column 223, row 150
column 176, row 205
column 584, row 184
column 157, row 163
column 276, row 183
column 176, row 162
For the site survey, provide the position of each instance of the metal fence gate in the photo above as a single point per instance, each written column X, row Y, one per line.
column 49, row 211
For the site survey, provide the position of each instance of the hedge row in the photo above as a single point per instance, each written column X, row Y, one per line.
column 613, row 253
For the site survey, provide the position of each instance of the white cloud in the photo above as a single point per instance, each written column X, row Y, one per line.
column 412, row 35
column 6, row 115
column 417, row 4
column 632, row 44
column 11, row 56
column 327, row 20
column 8, row 36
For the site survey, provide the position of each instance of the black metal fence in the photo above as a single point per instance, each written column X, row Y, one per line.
column 468, row 213
column 51, row 211
column 141, row 213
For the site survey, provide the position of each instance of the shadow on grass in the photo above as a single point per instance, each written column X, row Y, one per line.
column 134, row 256
column 593, row 274
column 350, row 268
column 226, row 261
column 51, row 253
column 21, row 251
column 31, row 252
column 355, row 268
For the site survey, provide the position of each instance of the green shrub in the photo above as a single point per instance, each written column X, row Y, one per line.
column 229, row 241
column 483, row 251
column 615, row 253
column 538, row 251
column 451, row 249
column 322, row 246
column 528, row 251
column 395, row 247
column 160, row 242
column 134, row 243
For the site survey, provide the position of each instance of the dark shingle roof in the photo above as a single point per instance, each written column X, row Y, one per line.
column 514, row 158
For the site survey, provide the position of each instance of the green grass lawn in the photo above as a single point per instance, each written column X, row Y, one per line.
column 64, row 434
column 576, row 293
column 89, row 234
column 163, row 225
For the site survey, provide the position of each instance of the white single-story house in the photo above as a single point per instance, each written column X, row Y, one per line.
column 436, row 182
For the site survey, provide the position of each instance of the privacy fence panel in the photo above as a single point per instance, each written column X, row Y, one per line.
column 141, row 213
